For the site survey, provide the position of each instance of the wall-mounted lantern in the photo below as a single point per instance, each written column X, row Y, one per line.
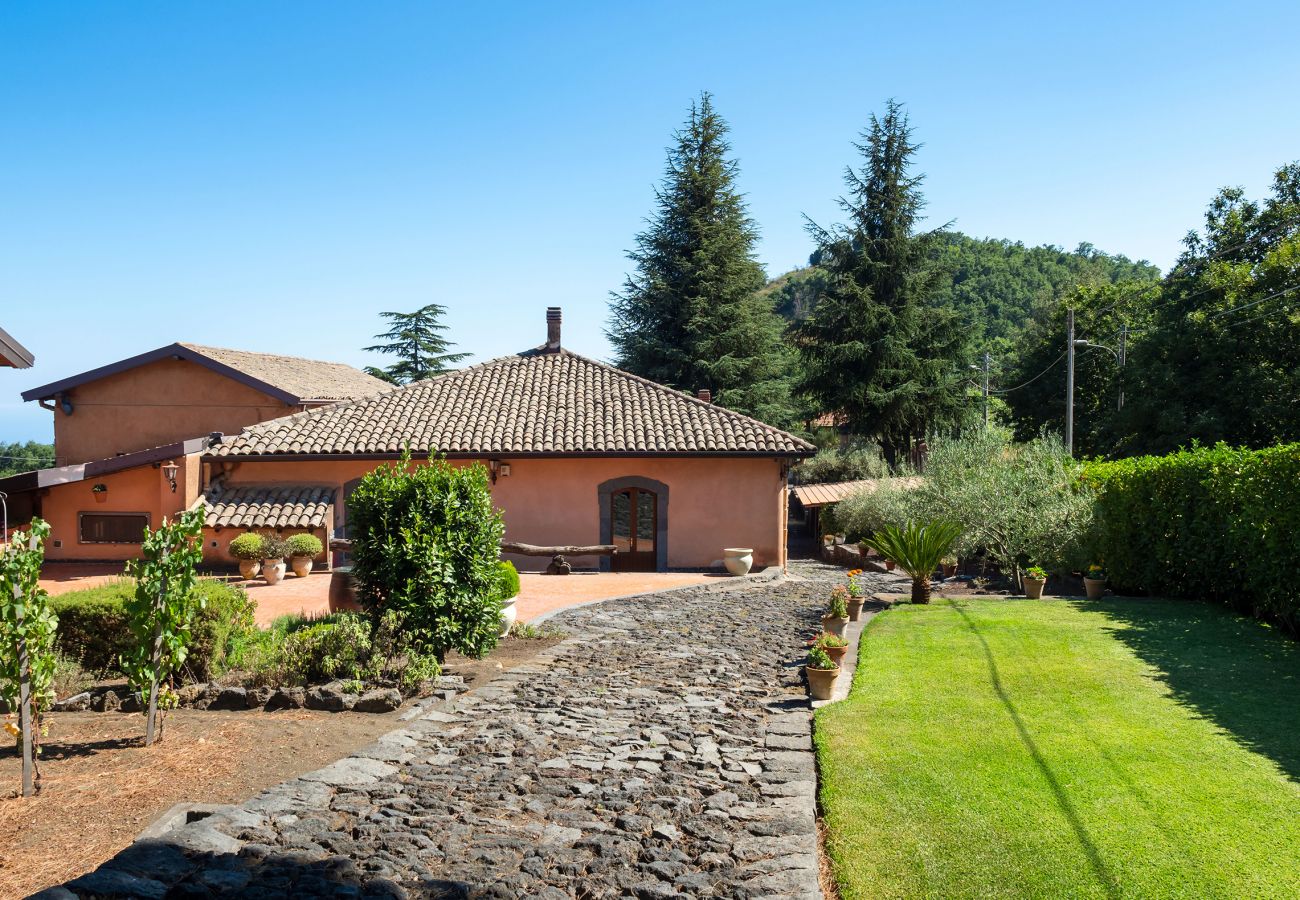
column 169, row 471
column 497, row 468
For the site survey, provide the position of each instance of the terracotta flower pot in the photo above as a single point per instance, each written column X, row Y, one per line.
column 1096, row 587
column 248, row 568
column 273, row 570
column 890, row 565
column 1034, row 587
column 837, row 654
column 855, row 608
column 301, row 566
column 101, row 496
column 949, row 571
column 821, row 682
column 833, row 625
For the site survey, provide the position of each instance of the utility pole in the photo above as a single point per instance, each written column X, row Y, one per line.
column 1123, row 355
column 986, row 390
column 1069, row 383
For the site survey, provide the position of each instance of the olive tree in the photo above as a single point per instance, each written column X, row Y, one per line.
column 1022, row 504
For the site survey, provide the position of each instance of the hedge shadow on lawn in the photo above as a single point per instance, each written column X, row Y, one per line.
column 1240, row 674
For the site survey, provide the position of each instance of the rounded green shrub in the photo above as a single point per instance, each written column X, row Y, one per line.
column 508, row 579
column 304, row 545
column 425, row 545
column 247, row 546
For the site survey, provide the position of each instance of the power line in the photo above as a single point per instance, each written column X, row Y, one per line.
column 1049, row 368
column 1267, row 315
column 1234, row 309
column 1212, row 256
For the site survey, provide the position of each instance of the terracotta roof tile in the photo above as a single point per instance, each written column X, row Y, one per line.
column 530, row 403
column 278, row 506
column 307, row 379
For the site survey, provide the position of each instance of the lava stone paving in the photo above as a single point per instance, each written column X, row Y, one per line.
column 662, row 750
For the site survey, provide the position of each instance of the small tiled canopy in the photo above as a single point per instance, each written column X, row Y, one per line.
column 280, row 506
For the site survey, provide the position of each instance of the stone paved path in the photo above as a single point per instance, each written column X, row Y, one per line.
column 662, row 750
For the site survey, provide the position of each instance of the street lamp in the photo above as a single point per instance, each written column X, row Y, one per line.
column 1073, row 344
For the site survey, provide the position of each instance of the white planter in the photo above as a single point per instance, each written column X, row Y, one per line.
column 301, row 566
column 273, row 570
column 508, row 615
column 738, row 559
column 248, row 568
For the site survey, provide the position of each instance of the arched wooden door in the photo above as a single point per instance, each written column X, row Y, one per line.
column 634, row 529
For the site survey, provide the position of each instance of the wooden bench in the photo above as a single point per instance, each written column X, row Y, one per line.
column 558, row 564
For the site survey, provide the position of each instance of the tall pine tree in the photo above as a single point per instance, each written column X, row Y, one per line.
column 415, row 338
column 878, row 349
column 690, row 316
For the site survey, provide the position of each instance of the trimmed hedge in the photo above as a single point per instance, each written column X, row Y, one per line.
column 93, row 625
column 1210, row 522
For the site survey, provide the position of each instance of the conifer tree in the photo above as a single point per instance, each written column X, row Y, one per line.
column 691, row 315
column 416, row 339
column 878, row 349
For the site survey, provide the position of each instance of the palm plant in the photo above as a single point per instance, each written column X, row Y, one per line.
column 917, row 548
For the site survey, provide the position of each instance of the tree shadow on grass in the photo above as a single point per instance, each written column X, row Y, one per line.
column 1235, row 671
column 1063, row 800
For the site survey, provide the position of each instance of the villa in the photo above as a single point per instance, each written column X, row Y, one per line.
column 579, row 453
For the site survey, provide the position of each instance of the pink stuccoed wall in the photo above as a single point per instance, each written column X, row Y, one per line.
column 712, row 503
column 142, row 489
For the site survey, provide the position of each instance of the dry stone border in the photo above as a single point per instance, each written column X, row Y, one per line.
column 663, row 750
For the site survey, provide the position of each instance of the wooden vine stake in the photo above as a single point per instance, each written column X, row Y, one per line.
column 25, row 723
column 26, row 642
column 155, row 656
column 161, row 612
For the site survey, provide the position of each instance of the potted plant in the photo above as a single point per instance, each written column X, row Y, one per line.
column 1094, row 581
column 274, row 550
column 101, row 493
column 1034, row 580
column 508, row 586
column 949, row 564
column 917, row 548
column 855, row 595
column 247, row 548
column 834, row 646
column 821, row 672
column 837, row 616
column 303, row 548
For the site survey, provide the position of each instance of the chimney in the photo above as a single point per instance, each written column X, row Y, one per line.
column 552, row 329
column 705, row 394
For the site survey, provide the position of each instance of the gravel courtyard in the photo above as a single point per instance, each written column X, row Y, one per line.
column 662, row 750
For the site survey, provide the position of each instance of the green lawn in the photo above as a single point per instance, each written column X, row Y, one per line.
column 1122, row 748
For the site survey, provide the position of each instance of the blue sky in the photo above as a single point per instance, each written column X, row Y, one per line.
column 270, row 176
